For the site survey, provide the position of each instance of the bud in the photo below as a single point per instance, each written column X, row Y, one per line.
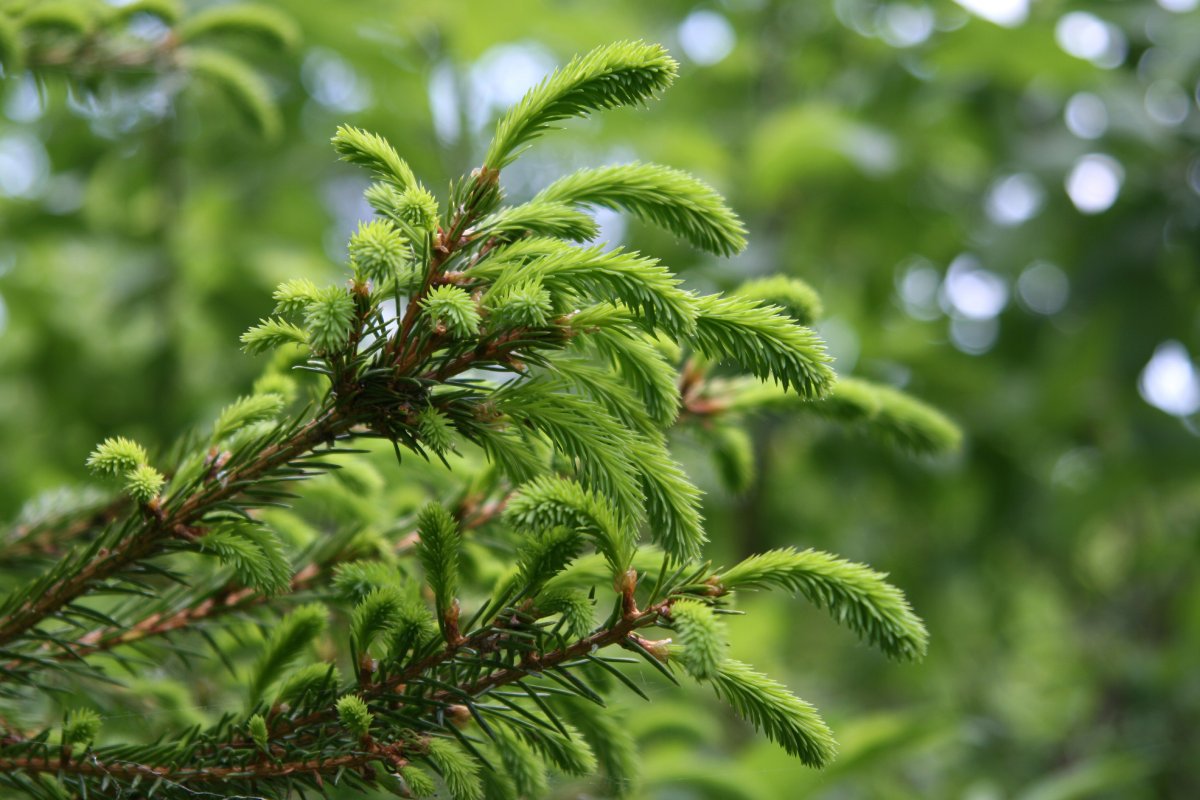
column 378, row 251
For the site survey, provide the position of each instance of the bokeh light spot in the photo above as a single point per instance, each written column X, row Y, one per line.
column 1014, row 199
column 1166, row 103
column 1169, row 382
column 1008, row 13
column 1043, row 288
column 333, row 83
column 1094, row 183
column 1086, row 116
column 972, row 292
column 1086, row 36
column 24, row 166
column 706, row 37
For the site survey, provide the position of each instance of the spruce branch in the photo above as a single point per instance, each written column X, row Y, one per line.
column 563, row 366
column 624, row 73
column 92, row 42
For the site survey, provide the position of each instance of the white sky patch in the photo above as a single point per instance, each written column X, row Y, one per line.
column 1169, row 382
column 1179, row 6
column 1086, row 116
column 1043, row 288
column 706, row 37
column 972, row 292
column 1014, row 199
column 1009, row 13
column 1094, row 183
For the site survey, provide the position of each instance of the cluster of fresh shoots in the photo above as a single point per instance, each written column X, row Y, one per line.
column 470, row 645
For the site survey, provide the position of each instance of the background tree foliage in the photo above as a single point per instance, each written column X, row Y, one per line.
column 1000, row 218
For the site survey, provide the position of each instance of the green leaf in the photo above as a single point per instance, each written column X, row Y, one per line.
column 895, row 418
column 546, row 503
column 169, row 11
column 143, row 483
column 253, row 552
column 436, row 429
column 543, row 556
column 116, row 455
column 612, row 741
column 271, row 333
column 329, row 318
column 418, row 781
column 764, row 342
column 245, row 411
column 293, row 296
column 80, row 726
column 793, row 296
column 570, row 754
column 521, row 763
column 439, row 549
column 378, row 251
column 290, row 637
column 521, row 305
column 241, row 84
column 251, row 19
column 67, row 15
column 311, row 683
column 640, row 283
column 772, row 709
column 355, row 715
column 674, row 200
column 700, row 637
column 452, row 309
column 641, row 365
column 542, row 218
column 256, row 727
column 620, row 74
column 854, row 594
column 459, row 771
column 12, row 54
column 672, row 500
column 377, row 614
column 374, row 152
column 577, row 609
column 584, row 433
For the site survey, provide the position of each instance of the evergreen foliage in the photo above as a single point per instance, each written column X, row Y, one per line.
column 564, row 367
column 90, row 41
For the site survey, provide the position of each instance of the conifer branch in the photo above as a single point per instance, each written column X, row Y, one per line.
column 558, row 363
column 23, row 610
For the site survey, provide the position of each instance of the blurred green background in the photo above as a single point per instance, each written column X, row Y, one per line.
column 999, row 201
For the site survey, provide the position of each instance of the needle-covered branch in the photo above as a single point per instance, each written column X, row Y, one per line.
column 531, row 384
